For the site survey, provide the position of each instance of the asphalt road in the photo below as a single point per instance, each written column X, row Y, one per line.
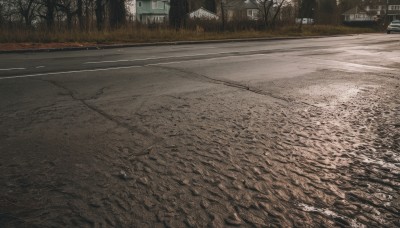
column 286, row 133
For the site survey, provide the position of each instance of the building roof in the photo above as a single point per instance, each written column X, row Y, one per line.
column 166, row 1
column 241, row 4
column 355, row 10
column 382, row 2
column 208, row 14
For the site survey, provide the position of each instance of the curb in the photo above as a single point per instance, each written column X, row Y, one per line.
column 113, row 46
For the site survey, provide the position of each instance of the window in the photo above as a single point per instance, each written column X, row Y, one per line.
column 155, row 4
column 159, row 19
column 140, row 4
column 252, row 13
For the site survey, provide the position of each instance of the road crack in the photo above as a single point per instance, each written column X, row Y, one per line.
column 228, row 83
column 132, row 129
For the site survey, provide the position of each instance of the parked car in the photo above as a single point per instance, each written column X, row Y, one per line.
column 393, row 27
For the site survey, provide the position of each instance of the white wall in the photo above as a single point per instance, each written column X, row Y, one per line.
column 131, row 7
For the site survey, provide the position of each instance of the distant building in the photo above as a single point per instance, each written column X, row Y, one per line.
column 304, row 21
column 359, row 14
column 375, row 12
column 203, row 14
column 393, row 10
column 152, row 11
column 242, row 9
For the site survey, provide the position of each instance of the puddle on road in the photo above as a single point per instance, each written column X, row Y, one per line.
column 330, row 214
column 332, row 94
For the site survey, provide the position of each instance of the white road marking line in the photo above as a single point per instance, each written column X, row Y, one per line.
column 198, row 60
column 157, row 58
column 115, row 61
column 118, row 68
column 9, row 69
column 38, row 67
column 68, row 72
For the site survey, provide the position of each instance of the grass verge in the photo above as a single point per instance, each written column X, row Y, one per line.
column 18, row 39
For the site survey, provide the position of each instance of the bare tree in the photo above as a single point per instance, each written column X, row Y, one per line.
column 306, row 9
column 100, row 10
column 28, row 10
column 79, row 13
column 4, row 11
column 69, row 8
column 268, row 8
column 210, row 5
column 277, row 11
column 178, row 12
column 49, row 7
column 1, row 13
column 7, row 11
column 326, row 12
column 265, row 8
column 117, row 13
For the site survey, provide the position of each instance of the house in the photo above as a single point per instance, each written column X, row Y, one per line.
column 375, row 12
column 393, row 10
column 242, row 9
column 359, row 14
column 152, row 11
column 203, row 14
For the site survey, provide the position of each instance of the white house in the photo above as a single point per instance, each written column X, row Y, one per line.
column 359, row 14
column 131, row 8
column 390, row 8
column 203, row 14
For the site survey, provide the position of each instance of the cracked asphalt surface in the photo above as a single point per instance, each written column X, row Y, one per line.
column 295, row 133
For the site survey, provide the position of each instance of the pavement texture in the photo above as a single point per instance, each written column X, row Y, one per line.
column 294, row 133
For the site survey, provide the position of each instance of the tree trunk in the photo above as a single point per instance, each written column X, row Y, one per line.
column 267, row 8
column 223, row 15
column 69, row 19
column 117, row 13
column 88, row 15
column 27, row 12
column 210, row 5
column 277, row 12
column 99, row 14
column 79, row 13
column 50, row 10
column 177, row 13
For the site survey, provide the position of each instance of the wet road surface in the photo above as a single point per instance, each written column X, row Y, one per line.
column 293, row 133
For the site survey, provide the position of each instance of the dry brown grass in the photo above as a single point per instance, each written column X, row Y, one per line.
column 142, row 34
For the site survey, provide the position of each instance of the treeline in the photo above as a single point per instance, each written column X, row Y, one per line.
column 89, row 15
column 84, row 14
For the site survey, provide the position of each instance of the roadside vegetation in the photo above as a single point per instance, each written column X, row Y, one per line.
column 161, row 34
column 24, row 23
